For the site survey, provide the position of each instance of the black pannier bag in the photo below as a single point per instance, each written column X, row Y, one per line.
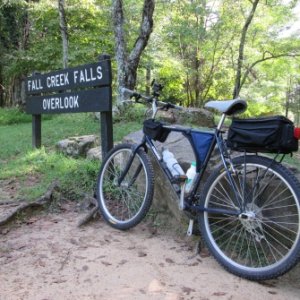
column 154, row 129
column 270, row 134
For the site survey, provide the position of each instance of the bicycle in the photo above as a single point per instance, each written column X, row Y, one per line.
column 248, row 211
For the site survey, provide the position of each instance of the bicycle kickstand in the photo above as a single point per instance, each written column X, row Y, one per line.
column 190, row 228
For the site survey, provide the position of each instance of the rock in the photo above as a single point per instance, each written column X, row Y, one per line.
column 77, row 146
column 94, row 153
column 198, row 116
column 165, row 199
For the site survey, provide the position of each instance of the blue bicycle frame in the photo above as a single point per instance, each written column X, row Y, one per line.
column 202, row 149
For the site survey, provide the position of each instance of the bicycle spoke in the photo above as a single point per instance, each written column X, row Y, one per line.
column 265, row 237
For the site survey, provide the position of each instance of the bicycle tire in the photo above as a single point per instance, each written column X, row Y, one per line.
column 264, row 242
column 124, row 205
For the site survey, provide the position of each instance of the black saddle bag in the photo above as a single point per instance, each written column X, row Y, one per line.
column 154, row 129
column 271, row 134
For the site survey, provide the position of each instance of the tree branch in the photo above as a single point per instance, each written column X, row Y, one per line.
column 265, row 58
column 237, row 85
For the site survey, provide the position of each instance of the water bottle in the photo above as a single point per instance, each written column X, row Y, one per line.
column 190, row 174
column 172, row 163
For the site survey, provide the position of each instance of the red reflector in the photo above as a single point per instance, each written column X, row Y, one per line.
column 297, row 133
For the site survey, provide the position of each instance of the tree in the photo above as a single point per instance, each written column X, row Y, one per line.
column 64, row 31
column 127, row 63
column 240, row 60
column 14, row 37
column 262, row 42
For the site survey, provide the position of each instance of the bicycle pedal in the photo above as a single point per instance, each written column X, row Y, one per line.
column 190, row 228
column 179, row 179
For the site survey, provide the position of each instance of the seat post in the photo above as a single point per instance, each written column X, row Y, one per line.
column 221, row 122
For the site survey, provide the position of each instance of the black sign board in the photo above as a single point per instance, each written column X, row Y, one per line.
column 90, row 75
column 85, row 88
column 71, row 102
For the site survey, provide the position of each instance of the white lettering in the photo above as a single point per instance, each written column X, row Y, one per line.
column 57, row 80
column 56, row 103
column 66, row 79
column 57, row 83
column 48, row 82
column 92, row 75
column 86, row 76
column 66, row 103
column 51, row 103
column 82, row 79
column 75, row 74
column 29, row 85
column 99, row 72
column 76, row 101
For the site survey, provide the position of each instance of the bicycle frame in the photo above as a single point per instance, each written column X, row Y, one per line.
column 189, row 202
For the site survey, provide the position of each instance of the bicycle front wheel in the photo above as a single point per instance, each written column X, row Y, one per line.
column 124, row 204
column 262, row 240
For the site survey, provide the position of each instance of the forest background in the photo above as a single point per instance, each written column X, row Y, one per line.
column 199, row 49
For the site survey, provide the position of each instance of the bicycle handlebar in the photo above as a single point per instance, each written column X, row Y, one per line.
column 148, row 99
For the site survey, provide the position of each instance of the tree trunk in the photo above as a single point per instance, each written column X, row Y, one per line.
column 237, row 85
column 1, row 88
column 287, row 97
column 127, row 64
column 64, row 31
column 16, row 90
column 118, row 18
column 148, row 79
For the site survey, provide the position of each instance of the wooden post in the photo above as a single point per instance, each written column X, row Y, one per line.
column 106, row 122
column 36, row 131
column 106, row 132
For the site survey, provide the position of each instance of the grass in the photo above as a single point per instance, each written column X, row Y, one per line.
column 35, row 169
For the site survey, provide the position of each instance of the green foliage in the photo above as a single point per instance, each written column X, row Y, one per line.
column 130, row 112
column 13, row 116
column 170, row 74
column 193, row 49
column 76, row 176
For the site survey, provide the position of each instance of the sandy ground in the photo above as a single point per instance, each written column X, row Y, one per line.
column 49, row 257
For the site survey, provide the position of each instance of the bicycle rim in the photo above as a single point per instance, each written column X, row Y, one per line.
column 123, row 203
column 264, row 238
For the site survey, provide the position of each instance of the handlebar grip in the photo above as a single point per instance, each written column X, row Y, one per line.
column 127, row 93
column 168, row 105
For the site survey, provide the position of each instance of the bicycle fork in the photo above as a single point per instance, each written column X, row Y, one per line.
column 127, row 167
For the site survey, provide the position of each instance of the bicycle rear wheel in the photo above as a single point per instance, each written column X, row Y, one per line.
column 262, row 240
column 124, row 204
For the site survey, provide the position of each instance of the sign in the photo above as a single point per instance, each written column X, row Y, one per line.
column 85, row 88
column 94, row 100
column 96, row 74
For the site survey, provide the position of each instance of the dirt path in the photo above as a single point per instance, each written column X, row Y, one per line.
column 50, row 258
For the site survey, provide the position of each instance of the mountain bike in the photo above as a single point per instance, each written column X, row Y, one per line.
column 248, row 210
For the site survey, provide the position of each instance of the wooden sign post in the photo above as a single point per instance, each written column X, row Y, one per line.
column 85, row 88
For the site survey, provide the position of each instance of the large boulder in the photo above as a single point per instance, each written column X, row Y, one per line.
column 78, row 145
column 197, row 116
column 165, row 199
column 94, row 153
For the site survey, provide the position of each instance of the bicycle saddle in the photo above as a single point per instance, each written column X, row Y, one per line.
column 228, row 107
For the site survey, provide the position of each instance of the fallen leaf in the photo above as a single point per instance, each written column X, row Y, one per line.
column 142, row 254
column 169, row 260
column 219, row 294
